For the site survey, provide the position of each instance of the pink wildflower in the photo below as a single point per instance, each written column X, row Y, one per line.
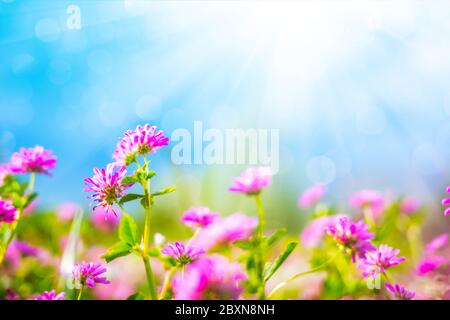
column 145, row 139
column 429, row 264
column 107, row 186
column 210, row 277
column 8, row 212
column 311, row 196
column 51, row 295
column 378, row 261
column 436, row 244
column 399, row 292
column 352, row 237
column 314, row 232
column 409, row 205
column 368, row 199
column 183, row 254
column 88, row 273
column 5, row 171
column 199, row 217
column 226, row 230
column 103, row 220
column 252, row 180
column 36, row 160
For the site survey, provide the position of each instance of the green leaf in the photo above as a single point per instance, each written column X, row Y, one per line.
column 136, row 296
column 129, row 180
column 274, row 237
column 30, row 199
column 164, row 191
column 120, row 249
column 151, row 174
column 244, row 245
column 130, row 197
column 279, row 261
column 154, row 252
column 128, row 230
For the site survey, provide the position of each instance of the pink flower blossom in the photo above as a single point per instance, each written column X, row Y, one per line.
column 36, row 160
column 252, row 180
column 446, row 202
column 51, row 295
column 429, row 264
column 8, row 212
column 311, row 196
column 66, row 211
column 368, row 199
column 225, row 231
column 378, row 261
column 104, row 220
column 352, row 237
column 88, row 273
column 436, row 244
column 210, row 277
column 409, row 205
column 107, row 186
column 398, row 292
column 314, row 232
column 145, row 139
column 183, row 254
column 199, row 217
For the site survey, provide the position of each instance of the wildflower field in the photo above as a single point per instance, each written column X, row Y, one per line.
column 377, row 252
column 224, row 150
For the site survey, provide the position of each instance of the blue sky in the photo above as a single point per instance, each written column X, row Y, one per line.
column 358, row 89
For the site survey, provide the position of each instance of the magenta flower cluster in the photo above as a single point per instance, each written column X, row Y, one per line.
column 199, row 217
column 446, row 202
column 352, row 237
column 32, row 160
column 88, row 273
column 51, row 295
column 378, row 261
column 145, row 139
column 181, row 253
column 8, row 212
column 252, row 180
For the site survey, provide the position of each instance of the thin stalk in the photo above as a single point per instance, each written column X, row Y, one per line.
column 80, row 292
column 368, row 216
column 146, row 240
column 166, row 283
column 282, row 284
column 260, row 238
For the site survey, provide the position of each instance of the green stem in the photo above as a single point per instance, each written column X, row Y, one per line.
column 31, row 183
column 368, row 216
column 260, row 238
column 146, row 240
column 282, row 284
column 166, row 284
column 80, row 292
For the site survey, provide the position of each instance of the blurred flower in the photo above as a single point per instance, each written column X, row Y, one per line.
column 210, row 277
column 5, row 170
column 311, row 196
column 199, row 217
column 8, row 212
column 51, row 296
column 37, row 160
column 446, row 202
column 226, row 230
column 252, row 180
column 314, row 232
column 378, row 261
column 18, row 249
column 436, row 244
column 106, row 184
column 11, row 294
column 66, row 211
column 352, row 237
column 368, row 199
column 183, row 254
column 159, row 239
column 399, row 292
column 145, row 139
column 409, row 205
column 88, row 273
column 429, row 264
column 103, row 220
